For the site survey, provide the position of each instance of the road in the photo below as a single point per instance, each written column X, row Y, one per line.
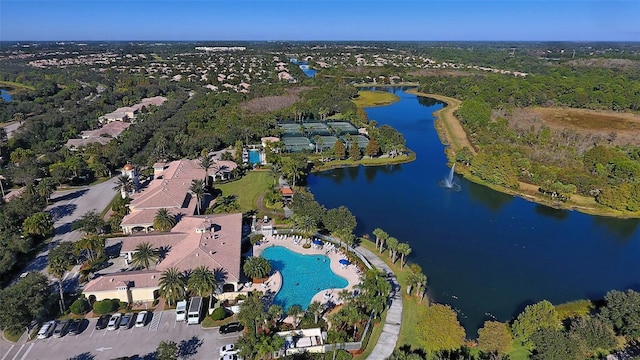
column 138, row 343
column 68, row 206
column 11, row 128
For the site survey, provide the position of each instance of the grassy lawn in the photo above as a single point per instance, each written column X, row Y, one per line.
column 15, row 85
column 373, row 339
column 374, row 98
column 323, row 166
column 248, row 189
column 13, row 337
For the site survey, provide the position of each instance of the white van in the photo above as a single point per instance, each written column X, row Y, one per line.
column 181, row 311
column 195, row 311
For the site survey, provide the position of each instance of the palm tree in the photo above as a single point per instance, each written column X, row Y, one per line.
column 124, row 184
column 205, row 163
column 275, row 171
column 379, row 234
column 39, row 224
column 172, row 285
column 145, row 255
column 58, row 266
column 392, row 245
column 294, row 169
column 275, row 313
column 315, row 308
column 46, row 187
column 202, row 281
column 421, row 283
column 163, row 221
column 294, row 311
column 404, row 249
column 383, row 239
column 412, row 280
column 257, row 267
column 89, row 223
column 305, row 224
column 197, row 188
column 93, row 244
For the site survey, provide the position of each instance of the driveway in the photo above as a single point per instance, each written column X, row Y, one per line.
column 68, row 206
column 140, row 343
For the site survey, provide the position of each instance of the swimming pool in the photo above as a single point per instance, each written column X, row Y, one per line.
column 303, row 276
column 254, row 157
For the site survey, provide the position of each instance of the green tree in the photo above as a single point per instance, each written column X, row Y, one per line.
column 404, row 249
column 93, row 244
column 145, row 255
column 46, row 187
column 554, row 344
column 257, row 267
column 172, row 285
column 39, row 224
column 541, row 315
column 315, row 308
column 438, row 329
column 622, row 312
column 494, row 337
column 89, row 223
column 594, row 334
column 339, row 218
column 167, row 350
column 305, row 224
column 23, row 301
column 294, row 167
column 163, row 221
column 206, row 163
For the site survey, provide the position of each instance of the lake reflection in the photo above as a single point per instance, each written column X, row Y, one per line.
column 485, row 253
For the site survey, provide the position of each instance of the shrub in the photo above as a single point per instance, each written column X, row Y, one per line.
column 218, row 314
column 256, row 238
column 80, row 306
column 106, row 306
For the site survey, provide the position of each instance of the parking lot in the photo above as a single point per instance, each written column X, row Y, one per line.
column 138, row 343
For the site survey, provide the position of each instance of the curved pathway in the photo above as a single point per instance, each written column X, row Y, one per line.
column 391, row 328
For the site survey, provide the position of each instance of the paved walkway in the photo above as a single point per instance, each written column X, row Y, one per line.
column 391, row 328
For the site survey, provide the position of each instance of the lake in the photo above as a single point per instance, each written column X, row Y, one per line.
column 5, row 95
column 485, row 253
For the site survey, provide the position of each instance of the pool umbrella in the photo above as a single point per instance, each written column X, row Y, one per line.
column 317, row 242
column 344, row 262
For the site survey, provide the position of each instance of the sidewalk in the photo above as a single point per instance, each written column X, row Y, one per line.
column 391, row 328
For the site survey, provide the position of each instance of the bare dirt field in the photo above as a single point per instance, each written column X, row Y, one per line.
column 273, row 103
column 614, row 127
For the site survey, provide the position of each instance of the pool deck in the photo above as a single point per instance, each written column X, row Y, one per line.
column 349, row 273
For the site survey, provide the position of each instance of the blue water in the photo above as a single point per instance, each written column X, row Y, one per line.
column 304, row 66
column 303, row 276
column 5, row 95
column 485, row 253
column 254, row 157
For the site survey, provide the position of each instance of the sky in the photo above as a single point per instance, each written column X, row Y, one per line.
column 229, row 20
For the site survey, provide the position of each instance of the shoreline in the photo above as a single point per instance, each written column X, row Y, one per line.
column 452, row 135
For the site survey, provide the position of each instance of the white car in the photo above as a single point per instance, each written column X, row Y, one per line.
column 47, row 329
column 141, row 319
column 229, row 349
column 114, row 322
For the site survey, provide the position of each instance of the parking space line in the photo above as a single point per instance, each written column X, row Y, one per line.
column 27, row 352
column 18, row 352
column 8, row 351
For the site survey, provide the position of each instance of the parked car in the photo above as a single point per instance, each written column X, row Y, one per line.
column 231, row 328
column 126, row 320
column 61, row 329
column 74, row 327
column 141, row 319
column 102, row 322
column 114, row 321
column 229, row 349
column 47, row 329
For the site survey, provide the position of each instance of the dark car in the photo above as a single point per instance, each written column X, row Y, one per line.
column 74, row 327
column 231, row 328
column 61, row 329
column 126, row 320
column 103, row 320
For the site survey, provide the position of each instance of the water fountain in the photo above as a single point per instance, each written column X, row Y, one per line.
column 448, row 181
